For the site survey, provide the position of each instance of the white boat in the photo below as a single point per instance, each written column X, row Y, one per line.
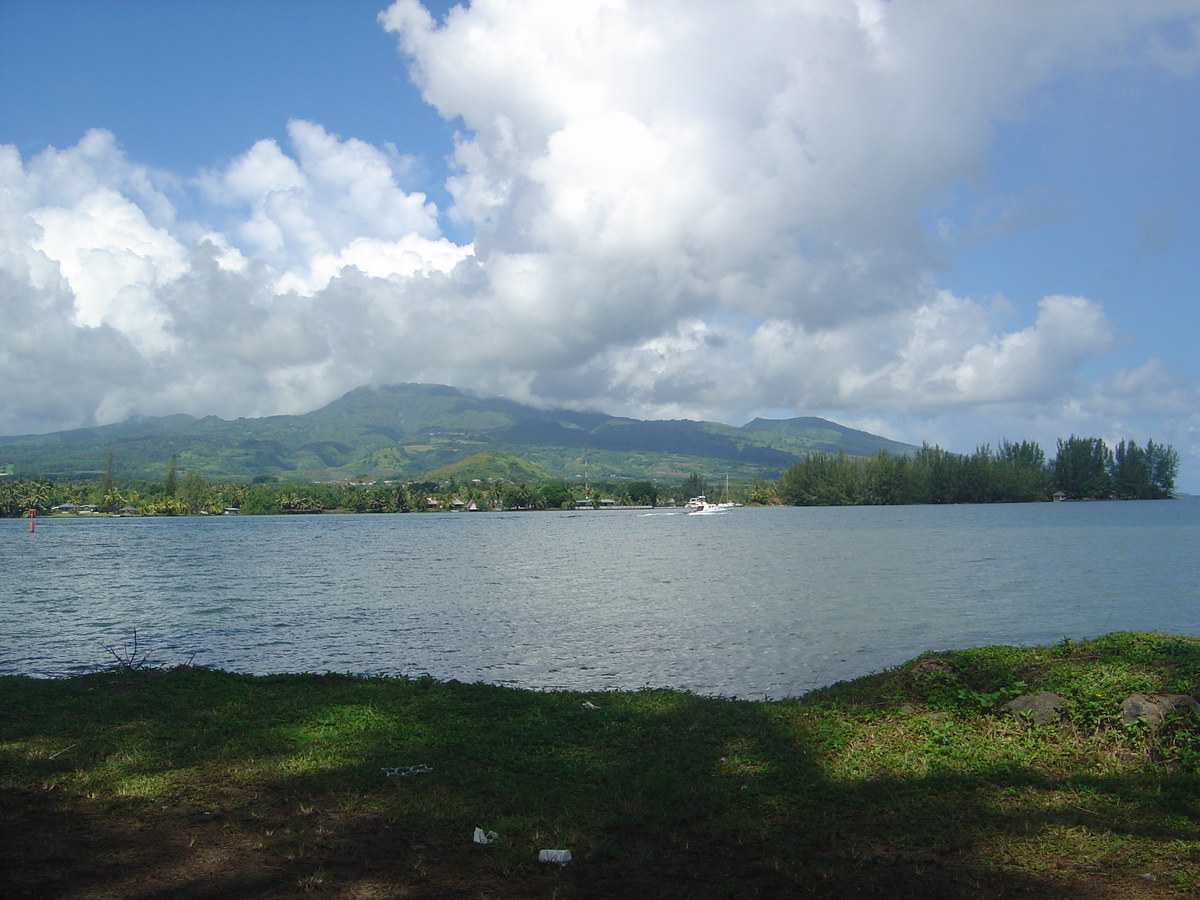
column 726, row 503
column 705, row 506
column 702, row 507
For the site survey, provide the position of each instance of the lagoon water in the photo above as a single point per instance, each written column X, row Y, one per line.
column 752, row 603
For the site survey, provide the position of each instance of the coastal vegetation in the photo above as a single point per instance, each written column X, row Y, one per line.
column 415, row 447
column 152, row 779
column 491, row 480
column 1083, row 468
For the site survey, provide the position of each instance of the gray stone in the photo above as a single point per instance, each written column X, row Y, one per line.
column 1154, row 708
column 1041, row 709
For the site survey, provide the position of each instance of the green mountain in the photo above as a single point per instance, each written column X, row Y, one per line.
column 490, row 465
column 405, row 431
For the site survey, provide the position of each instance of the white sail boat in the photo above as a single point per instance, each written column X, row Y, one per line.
column 726, row 503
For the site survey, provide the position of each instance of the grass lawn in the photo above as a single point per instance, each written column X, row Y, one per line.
column 915, row 782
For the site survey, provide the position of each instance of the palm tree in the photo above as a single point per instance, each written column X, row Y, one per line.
column 233, row 494
column 36, row 494
column 113, row 501
column 522, row 496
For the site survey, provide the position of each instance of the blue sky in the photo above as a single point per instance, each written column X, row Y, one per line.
column 189, row 85
column 1111, row 159
column 934, row 222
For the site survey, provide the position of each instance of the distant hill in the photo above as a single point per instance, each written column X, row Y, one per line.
column 411, row 430
column 811, row 434
column 490, row 465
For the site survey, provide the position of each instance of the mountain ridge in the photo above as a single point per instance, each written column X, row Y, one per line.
column 406, row 430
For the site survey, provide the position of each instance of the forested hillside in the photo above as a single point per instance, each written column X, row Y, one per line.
column 404, row 431
column 1083, row 468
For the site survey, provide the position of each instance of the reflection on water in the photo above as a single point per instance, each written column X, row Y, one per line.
column 753, row 603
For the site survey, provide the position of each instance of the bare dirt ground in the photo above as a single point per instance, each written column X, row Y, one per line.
column 73, row 851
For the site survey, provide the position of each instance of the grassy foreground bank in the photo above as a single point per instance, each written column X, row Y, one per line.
column 916, row 782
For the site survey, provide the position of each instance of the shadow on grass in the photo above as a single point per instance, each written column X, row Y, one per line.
column 204, row 784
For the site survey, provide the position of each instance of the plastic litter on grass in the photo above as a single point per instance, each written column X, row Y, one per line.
column 402, row 771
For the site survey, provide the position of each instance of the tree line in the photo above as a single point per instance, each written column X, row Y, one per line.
column 1012, row 473
column 192, row 494
column 1083, row 468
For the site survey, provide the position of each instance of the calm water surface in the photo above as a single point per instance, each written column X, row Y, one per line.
column 752, row 603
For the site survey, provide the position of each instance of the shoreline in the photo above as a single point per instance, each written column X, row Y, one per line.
column 916, row 781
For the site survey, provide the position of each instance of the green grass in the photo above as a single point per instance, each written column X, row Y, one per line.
column 912, row 782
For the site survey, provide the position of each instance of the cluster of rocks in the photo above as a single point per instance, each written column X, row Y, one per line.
column 1048, row 707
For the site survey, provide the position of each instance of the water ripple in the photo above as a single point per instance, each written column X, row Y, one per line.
column 754, row 603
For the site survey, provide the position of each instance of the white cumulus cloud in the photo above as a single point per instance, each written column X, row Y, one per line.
column 679, row 208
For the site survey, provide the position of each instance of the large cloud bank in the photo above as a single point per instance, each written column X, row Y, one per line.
column 679, row 208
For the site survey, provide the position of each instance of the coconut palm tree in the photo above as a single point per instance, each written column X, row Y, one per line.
column 35, row 494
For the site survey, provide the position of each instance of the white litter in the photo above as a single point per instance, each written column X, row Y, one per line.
column 587, row 704
column 401, row 771
column 562, row 857
column 485, row 837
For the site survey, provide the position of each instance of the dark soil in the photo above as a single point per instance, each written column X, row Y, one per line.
column 72, row 851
